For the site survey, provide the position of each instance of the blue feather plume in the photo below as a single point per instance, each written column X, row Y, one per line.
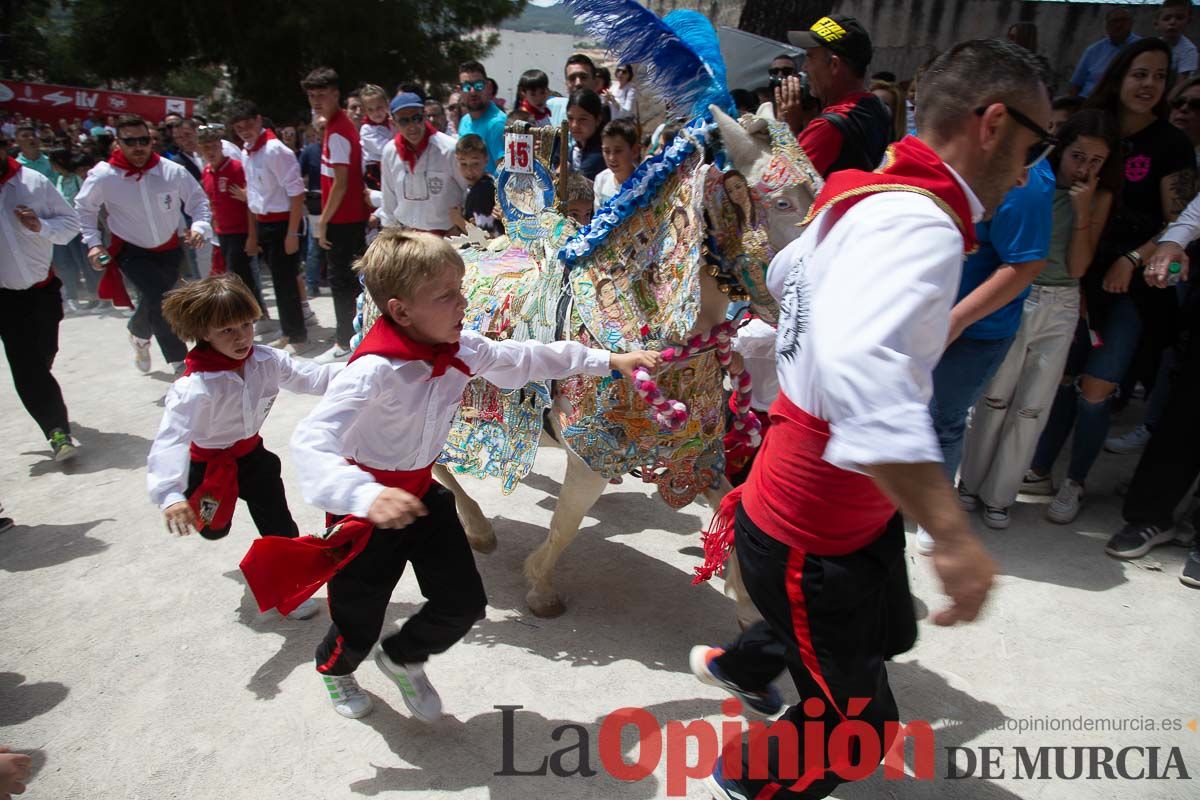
column 679, row 56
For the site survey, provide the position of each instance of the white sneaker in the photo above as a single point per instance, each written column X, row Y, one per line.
column 310, row 316
column 347, row 696
column 1133, row 442
column 141, row 353
column 996, row 518
column 924, row 542
column 419, row 695
column 306, row 610
column 335, row 353
column 1065, row 506
column 968, row 501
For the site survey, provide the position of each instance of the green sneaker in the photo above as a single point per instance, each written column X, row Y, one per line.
column 63, row 446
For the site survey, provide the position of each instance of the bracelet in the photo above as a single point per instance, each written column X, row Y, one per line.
column 1135, row 258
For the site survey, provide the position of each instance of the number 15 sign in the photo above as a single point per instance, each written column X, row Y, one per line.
column 519, row 150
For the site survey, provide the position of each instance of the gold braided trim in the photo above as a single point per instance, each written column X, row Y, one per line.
column 891, row 187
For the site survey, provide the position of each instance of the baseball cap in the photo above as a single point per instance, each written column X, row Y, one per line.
column 405, row 100
column 842, row 35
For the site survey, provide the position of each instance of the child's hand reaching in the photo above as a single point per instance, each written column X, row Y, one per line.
column 15, row 769
column 181, row 520
column 395, row 508
column 626, row 362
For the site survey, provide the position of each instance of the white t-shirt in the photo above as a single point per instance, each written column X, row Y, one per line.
column 1184, row 56
column 604, row 187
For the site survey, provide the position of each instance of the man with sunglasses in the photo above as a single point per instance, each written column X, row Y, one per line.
column 143, row 194
column 779, row 70
column 420, row 176
column 484, row 118
column 1013, row 245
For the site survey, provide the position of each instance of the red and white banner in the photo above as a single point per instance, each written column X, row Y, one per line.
column 49, row 102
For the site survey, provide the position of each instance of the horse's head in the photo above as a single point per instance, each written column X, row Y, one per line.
column 782, row 180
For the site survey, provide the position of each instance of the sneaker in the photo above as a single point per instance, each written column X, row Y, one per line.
column 1065, row 506
column 1040, row 485
column 306, row 610
column 6, row 523
column 702, row 661
column 141, row 353
column 264, row 325
column 62, row 445
column 296, row 348
column 996, row 518
column 310, row 316
column 1133, row 442
column 968, row 501
column 419, row 695
column 1189, row 577
column 279, row 343
column 1135, row 540
column 722, row 788
column 924, row 542
column 335, row 353
column 347, row 696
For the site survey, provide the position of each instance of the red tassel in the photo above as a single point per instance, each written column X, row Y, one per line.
column 718, row 537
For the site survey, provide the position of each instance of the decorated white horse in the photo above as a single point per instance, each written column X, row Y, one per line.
column 656, row 269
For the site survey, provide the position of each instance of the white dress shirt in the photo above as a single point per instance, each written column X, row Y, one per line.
column 24, row 255
column 864, row 314
column 272, row 178
column 145, row 211
column 1186, row 227
column 388, row 414
column 217, row 409
column 422, row 198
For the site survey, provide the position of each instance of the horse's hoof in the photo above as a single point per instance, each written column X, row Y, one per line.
column 483, row 544
column 544, row 605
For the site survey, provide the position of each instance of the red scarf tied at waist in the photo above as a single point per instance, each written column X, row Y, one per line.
column 408, row 152
column 283, row 573
column 796, row 496
column 216, row 496
column 909, row 166
column 265, row 136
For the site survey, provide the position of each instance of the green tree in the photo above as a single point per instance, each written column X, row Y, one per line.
column 269, row 45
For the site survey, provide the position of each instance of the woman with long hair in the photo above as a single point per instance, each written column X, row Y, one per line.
column 893, row 98
column 1012, row 410
column 586, row 118
column 1159, row 171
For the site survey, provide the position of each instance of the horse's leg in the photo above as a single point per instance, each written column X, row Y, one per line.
column 580, row 490
column 735, row 589
column 478, row 527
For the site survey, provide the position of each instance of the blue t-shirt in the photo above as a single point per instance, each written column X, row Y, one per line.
column 1019, row 232
column 490, row 128
column 1094, row 61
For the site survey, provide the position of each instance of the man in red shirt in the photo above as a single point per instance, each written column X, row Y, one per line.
column 855, row 128
column 341, row 228
column 232, row 220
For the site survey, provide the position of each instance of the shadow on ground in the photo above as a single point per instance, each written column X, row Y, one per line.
column 30, row 547
column 100, row 450
column 21, row 702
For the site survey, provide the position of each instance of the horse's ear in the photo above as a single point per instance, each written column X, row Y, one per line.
column 744, row 147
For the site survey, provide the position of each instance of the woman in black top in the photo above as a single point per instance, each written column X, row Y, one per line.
column 1159, row 182
column 586, row 117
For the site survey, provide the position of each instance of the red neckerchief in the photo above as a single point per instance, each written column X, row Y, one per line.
column 261, row 142
column 530, row 108
column 387, row 339
column 118, row 160
column 207, row 359
column 11, row 171
column 408, row 152
column 909, row 166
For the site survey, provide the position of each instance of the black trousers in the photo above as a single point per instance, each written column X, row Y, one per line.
column 1171, row 460
column 347, row 242
column 29, row 328
column 233, row 250
column 272, row 236
column 436, row 546
column 153, row 275
column 260, row 487
column 832, row 622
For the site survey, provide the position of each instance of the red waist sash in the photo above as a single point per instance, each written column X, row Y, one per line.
column 282, row 573
column 215, row 497
column 794, row 495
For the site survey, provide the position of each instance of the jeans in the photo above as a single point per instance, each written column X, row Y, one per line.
column 1009, row 418
column 71, row 264
column 314, row 256
column 1108, row 362
column 958, row 381
column 347, row 241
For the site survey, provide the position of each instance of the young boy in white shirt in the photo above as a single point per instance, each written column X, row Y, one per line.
column 208, row 451
column 1170, row 23
column 421, row 180
column 622, row 153
column 365, row 454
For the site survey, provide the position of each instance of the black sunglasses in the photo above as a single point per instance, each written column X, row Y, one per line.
column 135, row 141
column 1039, row 149
column 782, row 72
column 415, row 119
column 1192, row 104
